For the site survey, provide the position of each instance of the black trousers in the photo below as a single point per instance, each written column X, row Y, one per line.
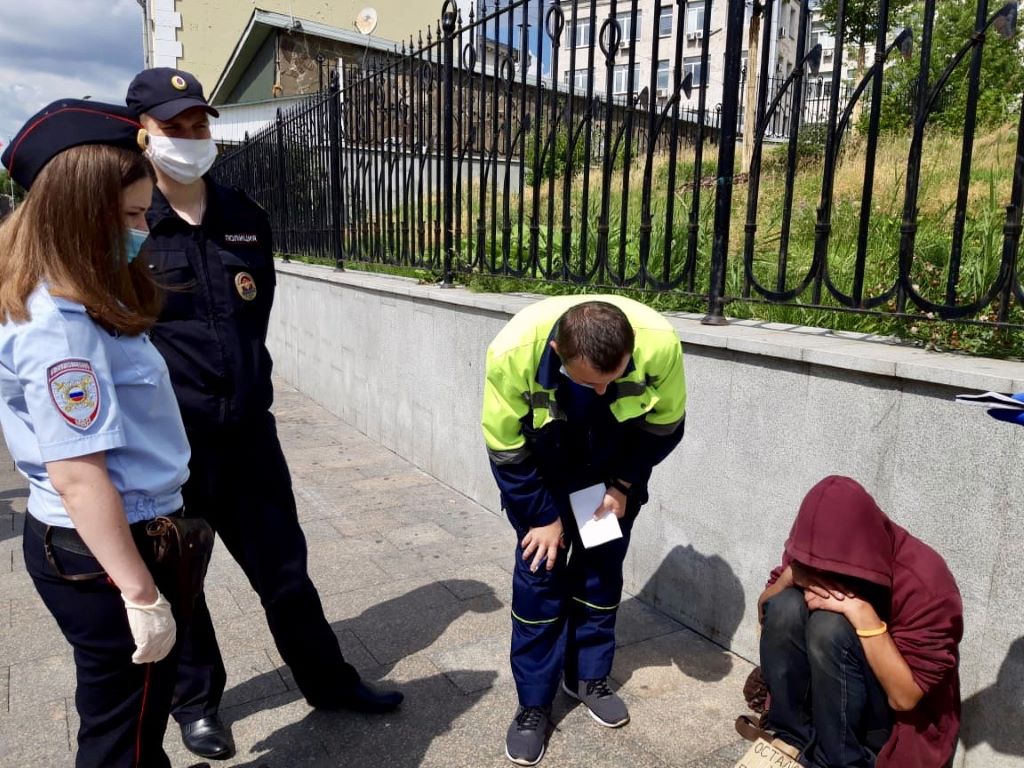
column 825, row 700
column 240, row 484
column 122, row 706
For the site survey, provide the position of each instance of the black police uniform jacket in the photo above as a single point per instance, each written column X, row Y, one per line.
column 220, row 281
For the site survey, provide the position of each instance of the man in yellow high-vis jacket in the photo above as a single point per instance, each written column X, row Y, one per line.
column 579, row 390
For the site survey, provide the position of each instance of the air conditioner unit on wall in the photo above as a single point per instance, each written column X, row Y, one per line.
column 699, row 34
column 783, row 32
column 662, row 93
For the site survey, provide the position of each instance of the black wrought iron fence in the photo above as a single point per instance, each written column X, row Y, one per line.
column 815, row 98
column 572, row 141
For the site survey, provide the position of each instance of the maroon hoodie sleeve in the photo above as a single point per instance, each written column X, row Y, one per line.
column 777, row 571
column 927, row 633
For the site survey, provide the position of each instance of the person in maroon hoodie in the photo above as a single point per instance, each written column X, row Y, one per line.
column 861, row 626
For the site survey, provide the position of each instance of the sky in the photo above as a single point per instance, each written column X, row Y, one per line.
column 54, row 49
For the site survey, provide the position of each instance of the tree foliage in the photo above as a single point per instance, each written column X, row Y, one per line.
column 6, row 191
column 861, row 21
column 1002, row 72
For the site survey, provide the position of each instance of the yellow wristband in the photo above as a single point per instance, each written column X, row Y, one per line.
column 873, row 632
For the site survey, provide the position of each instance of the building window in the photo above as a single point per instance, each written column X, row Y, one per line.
column 580, row 78
column 793, row 22
column 692, row 66
column 620, row 81
column 665, row 22
column 694, row 20
column 581, row 34
column 630, row 31
column 663, row 76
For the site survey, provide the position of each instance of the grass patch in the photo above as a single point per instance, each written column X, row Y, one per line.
column 671, row 269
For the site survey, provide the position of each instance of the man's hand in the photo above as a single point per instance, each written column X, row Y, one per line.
column 543, row 544
column 818, row 582
column 858, row 612
column 785, row 581
column 614, row 501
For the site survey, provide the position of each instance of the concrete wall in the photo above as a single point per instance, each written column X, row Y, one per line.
column 770, row 412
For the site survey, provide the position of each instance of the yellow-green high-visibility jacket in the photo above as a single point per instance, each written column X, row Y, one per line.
column 527, row 430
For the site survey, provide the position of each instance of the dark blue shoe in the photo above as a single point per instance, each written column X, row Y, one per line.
column 524, row 743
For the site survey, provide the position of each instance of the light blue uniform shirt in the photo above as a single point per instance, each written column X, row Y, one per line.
column 69, row 388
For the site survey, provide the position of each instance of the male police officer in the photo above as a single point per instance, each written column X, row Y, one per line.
column 212, row 247
column 579, row 391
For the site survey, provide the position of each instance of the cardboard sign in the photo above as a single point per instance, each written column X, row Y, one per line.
column 764, row 755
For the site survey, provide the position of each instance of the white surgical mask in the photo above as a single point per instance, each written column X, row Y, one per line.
column 570, row 378
column 184, row 160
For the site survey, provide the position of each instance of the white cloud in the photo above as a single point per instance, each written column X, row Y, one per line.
column 53, row 49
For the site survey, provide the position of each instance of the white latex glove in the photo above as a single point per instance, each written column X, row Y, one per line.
column 152, row 629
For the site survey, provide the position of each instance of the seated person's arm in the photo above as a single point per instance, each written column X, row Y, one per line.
column 883, row 656
column 783, row 581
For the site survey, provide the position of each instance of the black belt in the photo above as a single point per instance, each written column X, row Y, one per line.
column 69, row 540
column 62, row 538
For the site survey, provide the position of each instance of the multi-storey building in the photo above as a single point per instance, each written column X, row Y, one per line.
column 639, row 32
column 818, row 33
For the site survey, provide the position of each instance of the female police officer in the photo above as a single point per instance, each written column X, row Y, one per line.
column 89, row 415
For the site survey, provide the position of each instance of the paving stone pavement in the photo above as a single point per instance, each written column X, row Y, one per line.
column 416, row 581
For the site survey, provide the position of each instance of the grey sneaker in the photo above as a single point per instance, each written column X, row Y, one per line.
column 524, row 743
column 604, row 705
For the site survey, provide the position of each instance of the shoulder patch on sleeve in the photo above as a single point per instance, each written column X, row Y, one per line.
column 74, row 391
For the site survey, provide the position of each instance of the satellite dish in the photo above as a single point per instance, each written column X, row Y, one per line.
column 366, row 21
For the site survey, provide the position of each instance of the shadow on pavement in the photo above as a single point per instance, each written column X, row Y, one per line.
column 17, row 519
column 995, row 714
column 391, row 630
column 702, row 592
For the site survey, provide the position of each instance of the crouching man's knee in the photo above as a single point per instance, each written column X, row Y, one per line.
column 829, row 637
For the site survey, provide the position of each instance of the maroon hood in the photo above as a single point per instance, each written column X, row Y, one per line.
column 840, row 528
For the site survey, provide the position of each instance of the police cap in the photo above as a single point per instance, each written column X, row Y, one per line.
column 165, row 93
column 65, row 124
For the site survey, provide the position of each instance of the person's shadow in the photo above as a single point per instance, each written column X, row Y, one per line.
column 702, row 593
column 392, row 631
column 11, row 522
column 994, row 714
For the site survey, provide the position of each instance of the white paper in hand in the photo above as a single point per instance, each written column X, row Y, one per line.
column 584, row 505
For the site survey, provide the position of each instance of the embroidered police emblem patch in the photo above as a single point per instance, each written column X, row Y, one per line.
column 74, row 391
column 245, row 286
column 178, row 82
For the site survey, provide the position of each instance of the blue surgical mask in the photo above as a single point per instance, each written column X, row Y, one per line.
column 133, row 240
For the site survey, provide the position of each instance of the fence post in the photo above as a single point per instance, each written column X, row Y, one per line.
column 726, row 165
column 334, row 147
column 282, row 187
column 449, row 14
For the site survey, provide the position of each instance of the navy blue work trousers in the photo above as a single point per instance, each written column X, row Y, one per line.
column 239, row 482
column 122, row 707
column 825, row 700
column 563, row 620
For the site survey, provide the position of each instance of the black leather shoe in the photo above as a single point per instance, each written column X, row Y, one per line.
column 208, row 737
column 362, row 698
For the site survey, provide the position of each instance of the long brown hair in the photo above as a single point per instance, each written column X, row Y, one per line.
column 70, row 232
